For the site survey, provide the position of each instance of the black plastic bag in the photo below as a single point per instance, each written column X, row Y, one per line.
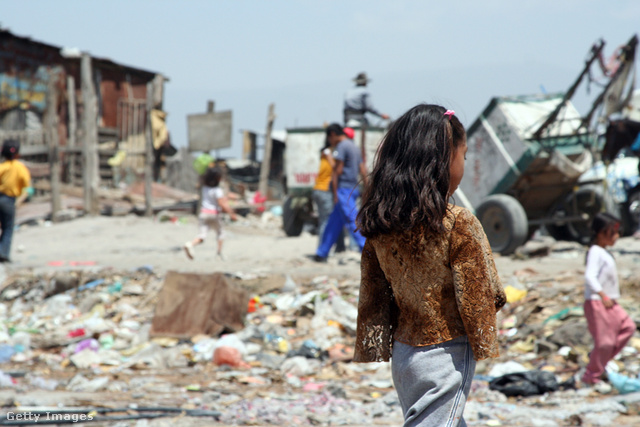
column 529, row 383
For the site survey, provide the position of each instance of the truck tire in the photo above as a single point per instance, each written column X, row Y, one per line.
column 292, row 221
column 504, row 221
column 558, row 230
column 587, row 201
column 630, row 212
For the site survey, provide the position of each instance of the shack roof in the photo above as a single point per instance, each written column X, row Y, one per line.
column 64, row 57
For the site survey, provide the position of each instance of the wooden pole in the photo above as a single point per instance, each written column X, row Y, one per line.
column 246, row 145
column 363, row 145
column 266, row 157
column 51, row 126
column 73, row 126
column 91, row 177
column 148, row 165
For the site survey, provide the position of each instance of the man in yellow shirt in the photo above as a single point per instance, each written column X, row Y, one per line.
column 14, row 179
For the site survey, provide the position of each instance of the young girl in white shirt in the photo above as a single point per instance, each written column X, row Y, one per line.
column 214, row 202
column 609, row 325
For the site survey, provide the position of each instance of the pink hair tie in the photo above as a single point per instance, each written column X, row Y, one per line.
column 449, row 113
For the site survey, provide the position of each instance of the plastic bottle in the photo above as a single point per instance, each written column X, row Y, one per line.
column 277, row 343
column 622, row 383
column 6, row 351
column 80, row 332
column 21, row 341
column 106, row 341
column 7, row 380
column 115, row 288
column 91, row 344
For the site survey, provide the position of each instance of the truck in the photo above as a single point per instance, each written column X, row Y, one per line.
column 536, row 161
column 533, row 161
column 516, row 183
column 302, row 160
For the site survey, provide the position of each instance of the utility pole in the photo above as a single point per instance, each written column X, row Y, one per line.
column 266, row 158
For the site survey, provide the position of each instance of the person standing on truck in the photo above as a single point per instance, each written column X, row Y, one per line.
column 344, row 184
column 357, row 103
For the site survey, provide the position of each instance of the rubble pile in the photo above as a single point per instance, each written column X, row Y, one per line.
column 82, row 338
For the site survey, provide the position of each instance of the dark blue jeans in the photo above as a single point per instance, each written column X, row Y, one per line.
column 344, row 213
column 324, row 202
column 7, row 220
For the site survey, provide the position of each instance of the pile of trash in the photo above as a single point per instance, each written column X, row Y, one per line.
column 85, row 339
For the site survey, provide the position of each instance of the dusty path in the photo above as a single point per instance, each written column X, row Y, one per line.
column 252, row 246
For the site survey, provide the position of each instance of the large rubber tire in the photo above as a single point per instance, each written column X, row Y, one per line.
column 630, row 212
column 292, row 220
column 558, row 230
column 587, row 201
column 504, row 221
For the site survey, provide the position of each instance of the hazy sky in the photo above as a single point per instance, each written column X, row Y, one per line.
column 301, row 55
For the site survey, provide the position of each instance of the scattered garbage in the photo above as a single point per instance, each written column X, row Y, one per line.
column 623, row 383
column 529, row 383
column 225, row 355
column 282, row 355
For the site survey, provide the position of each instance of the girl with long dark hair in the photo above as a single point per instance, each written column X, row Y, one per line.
column 430, row 290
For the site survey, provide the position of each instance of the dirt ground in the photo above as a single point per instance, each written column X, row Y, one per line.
column 253, row 247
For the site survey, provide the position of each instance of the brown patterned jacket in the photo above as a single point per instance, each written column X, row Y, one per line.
column 423, row 290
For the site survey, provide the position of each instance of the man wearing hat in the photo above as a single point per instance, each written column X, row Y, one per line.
column 14, row 178
column 357, row 103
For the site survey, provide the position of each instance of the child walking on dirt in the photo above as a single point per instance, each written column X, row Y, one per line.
column 429, row 291
column 609, row 325
column 214, row 202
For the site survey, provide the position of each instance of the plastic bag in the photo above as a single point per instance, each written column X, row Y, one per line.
column 231, row 356
column 623, row 384
column 529, row 383
column 202, row 162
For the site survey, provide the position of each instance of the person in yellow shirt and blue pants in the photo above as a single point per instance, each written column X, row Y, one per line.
column 14, row 179
column 322, row 194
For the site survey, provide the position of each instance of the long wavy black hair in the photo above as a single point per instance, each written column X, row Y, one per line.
column 409, row 184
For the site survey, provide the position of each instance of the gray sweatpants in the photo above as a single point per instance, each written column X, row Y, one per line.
column 433, row 381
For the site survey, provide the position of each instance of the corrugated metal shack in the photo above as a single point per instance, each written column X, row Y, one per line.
column 41, row 88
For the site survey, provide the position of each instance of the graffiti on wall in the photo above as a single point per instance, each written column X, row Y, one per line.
column 25, row 90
